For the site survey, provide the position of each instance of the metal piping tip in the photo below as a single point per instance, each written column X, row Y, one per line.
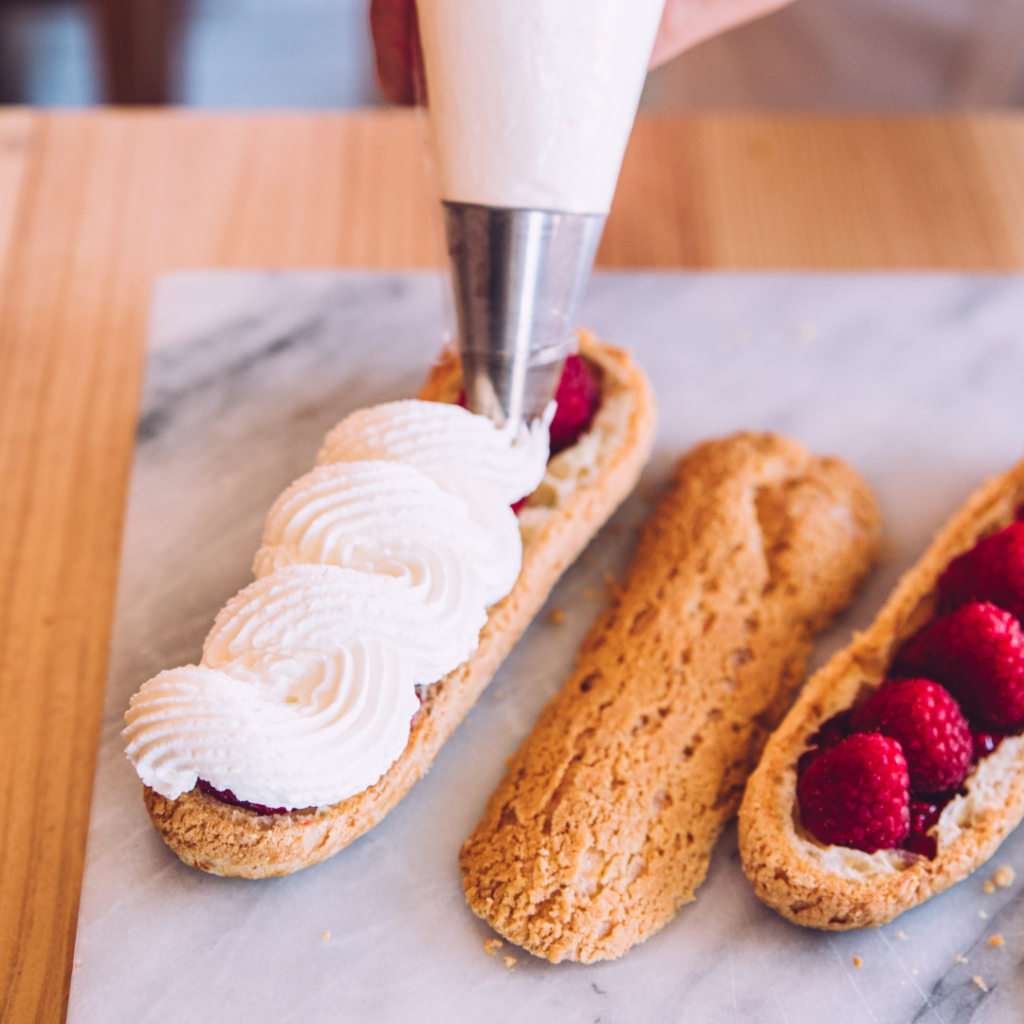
column 519, row 278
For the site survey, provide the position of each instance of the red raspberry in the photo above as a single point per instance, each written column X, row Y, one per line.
column 857, row 794
column 578, row 397
column 977, row 653
column 993, row 571
column 934, row 735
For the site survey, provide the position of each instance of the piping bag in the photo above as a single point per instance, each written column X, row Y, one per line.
column 530, row 103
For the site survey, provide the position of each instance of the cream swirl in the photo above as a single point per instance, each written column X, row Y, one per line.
column 373, row 516
column 292, row 727
column 446, row 442
column 432, row 613
column 374, row 576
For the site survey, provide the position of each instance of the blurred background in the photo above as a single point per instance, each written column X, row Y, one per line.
column 815, row 55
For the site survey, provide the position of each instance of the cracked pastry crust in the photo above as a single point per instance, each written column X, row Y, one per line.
column 582, row 487
column 834, row 887
column 605, row 821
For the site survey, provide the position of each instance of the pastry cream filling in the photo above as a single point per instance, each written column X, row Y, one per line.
column 374, row 576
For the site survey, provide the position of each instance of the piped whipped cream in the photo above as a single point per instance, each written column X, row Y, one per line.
column 374, row 576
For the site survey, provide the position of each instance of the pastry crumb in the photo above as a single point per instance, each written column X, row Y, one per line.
column 590, row 594
column 498, row 694
column 510, row 962
column 324, row 936
column 902, row 936
column 996, row 940
column 980, row 982
column 76, row 964
column 961, row 959
column 857, row 962
column 609, row 579
column 988, row 887
column 1004, row 876
column 557, row 616
column 983, row 915
column 491, row 946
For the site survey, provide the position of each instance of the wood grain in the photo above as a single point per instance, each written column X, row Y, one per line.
column 93, row 206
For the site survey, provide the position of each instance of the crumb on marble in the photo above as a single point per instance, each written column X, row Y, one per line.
column 510, row 962
column 76, row 964
column 1004, row 876
column 498, row 694
column 980, row 982
column 324, row 936
column 609, row 579
column 983, row 915
column 557, row 616
column 961, row 959
column 988, row 887
column 996, row 940
column 857, row 962
column 491, row 946
column 902, row 936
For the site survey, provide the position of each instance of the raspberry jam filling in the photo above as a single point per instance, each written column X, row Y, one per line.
column 225, row 796
column 877, row 776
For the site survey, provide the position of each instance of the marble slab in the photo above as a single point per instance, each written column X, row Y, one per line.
column 916, row 379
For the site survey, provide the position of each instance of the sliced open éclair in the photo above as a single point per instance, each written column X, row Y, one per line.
column 835, row 887
column 582, row 487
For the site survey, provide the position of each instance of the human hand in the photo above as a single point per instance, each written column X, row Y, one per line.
column 684, row 24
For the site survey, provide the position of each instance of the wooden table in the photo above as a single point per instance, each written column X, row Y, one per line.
column 93, row 206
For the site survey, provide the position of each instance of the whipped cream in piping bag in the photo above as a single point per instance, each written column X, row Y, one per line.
column 532, row 101
column 374, row 577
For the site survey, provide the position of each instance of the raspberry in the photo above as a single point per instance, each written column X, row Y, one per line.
column 993, row 571
column 857, row 794
column 578, row 397
column 934, row 735
column 977, row 653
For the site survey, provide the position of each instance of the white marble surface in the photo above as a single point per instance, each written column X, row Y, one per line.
column 918, row 380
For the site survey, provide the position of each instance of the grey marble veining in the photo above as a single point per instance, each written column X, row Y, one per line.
column 916, row 379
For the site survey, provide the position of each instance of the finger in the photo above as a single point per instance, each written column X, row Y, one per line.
column 685, row 23
column 395, row 40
